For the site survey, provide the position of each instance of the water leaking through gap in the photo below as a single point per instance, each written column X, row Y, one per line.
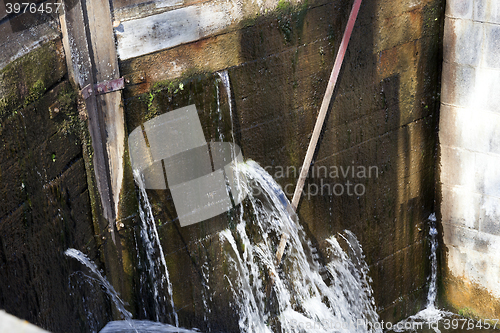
column 431, row 315
column 110, row 291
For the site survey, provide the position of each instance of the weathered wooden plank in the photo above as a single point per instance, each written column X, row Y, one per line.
column 89, row 41
column 134, row 9
column 15, row 44
column 76, row 44
column 175, row 27
column 110, row 115
column 78, row 57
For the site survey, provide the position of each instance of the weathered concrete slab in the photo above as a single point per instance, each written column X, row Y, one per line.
column 457, row 81
column 459, row 8
column 490, row 215
column 492, row 45
column 460, row 207
column 398, row 29
column 481, row 136
column 483, row 94
column 464, row 39
column 457, row 166
column 488, row 174
column 470, row 155
column 10, row 323
column 487, row 11
column 473, row 255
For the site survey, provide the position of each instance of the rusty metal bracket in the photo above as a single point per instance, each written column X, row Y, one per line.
column 103, row 87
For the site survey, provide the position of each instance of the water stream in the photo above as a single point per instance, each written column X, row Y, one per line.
column 156, row 265
column 430, row 317
column 308, row 293
column 81, row 257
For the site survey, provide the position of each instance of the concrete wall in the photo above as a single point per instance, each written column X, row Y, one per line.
column 470, row 156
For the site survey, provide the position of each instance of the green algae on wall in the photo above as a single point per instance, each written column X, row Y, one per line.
column 26, row 79
column 45, row 209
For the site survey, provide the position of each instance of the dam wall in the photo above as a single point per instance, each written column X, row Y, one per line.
column 278, row 56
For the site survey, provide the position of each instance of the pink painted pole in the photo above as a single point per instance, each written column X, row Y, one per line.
column 321, row 118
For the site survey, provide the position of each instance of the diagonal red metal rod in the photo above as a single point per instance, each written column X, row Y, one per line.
column 321, row 118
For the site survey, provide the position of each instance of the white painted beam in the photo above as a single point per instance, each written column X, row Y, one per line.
column 175, row 27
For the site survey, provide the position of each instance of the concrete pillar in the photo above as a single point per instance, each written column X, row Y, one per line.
column 469, row 135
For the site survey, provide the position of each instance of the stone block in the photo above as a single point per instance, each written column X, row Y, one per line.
column 457, row 167
column 355, row 103
column 462, row 41
column 471, row 129
column 456, row 84
column 398, row 30
column 398, row 59
column 491, row 49
column 395, row 271
column 450, row 133
column 460, row 207
column 487, row 11
column 485, row 95
column 394, row 8
column 488, row 174
column 473, row 256
column 459, row 8
column 490, row 215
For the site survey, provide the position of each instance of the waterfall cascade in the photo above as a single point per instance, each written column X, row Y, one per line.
column 308, row 292
column 305, row 292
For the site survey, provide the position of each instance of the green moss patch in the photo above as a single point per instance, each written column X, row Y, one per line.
column 26, row 79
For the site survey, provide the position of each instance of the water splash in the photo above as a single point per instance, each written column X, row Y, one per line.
column 431, row 315
column 306, row 292
column 81, row 257
column 157, row 265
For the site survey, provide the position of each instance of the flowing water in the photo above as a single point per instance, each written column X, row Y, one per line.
column 81, row 257
column 432, row 319
column 306, row 292
column 309, row 293
column 156, row 266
